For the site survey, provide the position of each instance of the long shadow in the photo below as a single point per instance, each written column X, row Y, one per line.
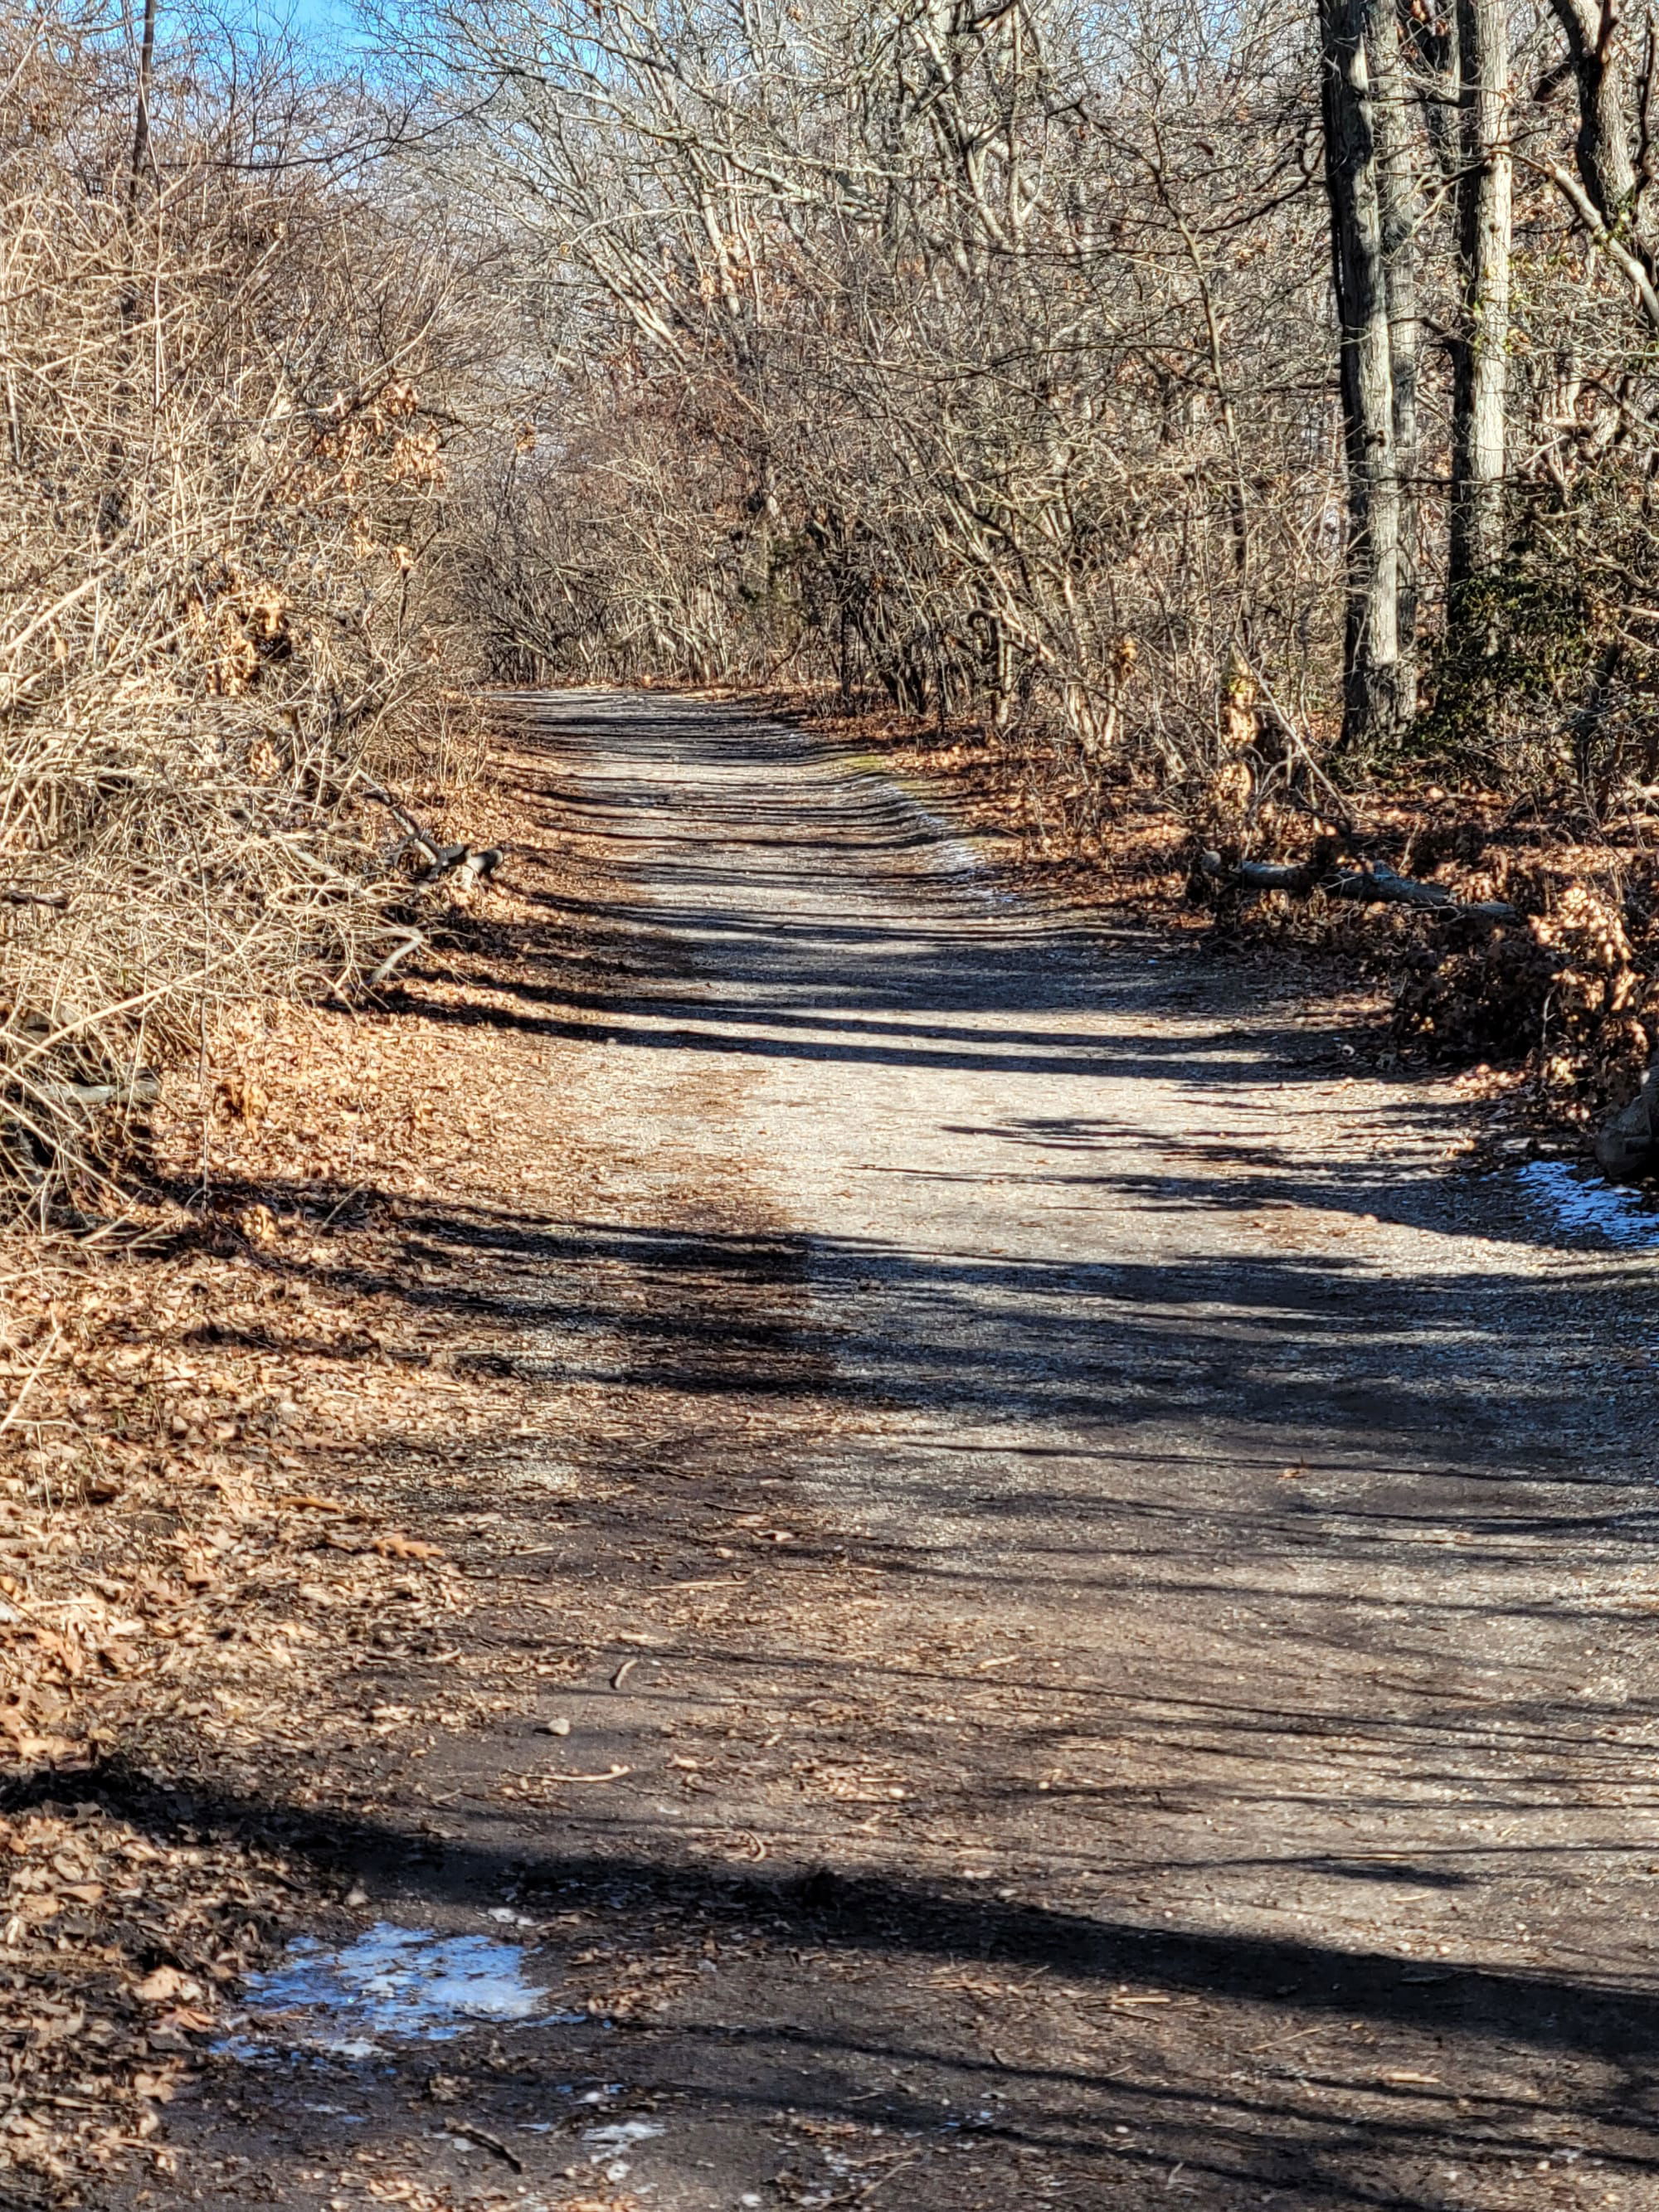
column 886, row 1912
column 1405, row 1378
column 922, row 980
column 1343, row 2123
column 1084, row 1435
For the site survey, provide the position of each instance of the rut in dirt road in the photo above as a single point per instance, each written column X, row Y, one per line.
column 1138, row 1578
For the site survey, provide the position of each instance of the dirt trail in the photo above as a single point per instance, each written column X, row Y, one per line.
column 1108, row 1590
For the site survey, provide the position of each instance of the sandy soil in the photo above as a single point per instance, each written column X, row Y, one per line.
column 1082, row 1634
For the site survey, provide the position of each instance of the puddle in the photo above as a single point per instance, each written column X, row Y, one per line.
column 404, row 1981
column 1590, row 1206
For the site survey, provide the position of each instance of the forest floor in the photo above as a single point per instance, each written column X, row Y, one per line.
column 826, row 1539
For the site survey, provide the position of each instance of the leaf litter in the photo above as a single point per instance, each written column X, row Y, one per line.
column 213, row 1417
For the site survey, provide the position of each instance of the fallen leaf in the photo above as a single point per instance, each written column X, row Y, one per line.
column 166, row 1984
column 406, row 1548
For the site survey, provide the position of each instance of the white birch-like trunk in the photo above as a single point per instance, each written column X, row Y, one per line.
column 1372, row 701
column 1485, row 224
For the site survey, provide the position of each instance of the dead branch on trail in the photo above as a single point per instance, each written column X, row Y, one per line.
column 469, row 864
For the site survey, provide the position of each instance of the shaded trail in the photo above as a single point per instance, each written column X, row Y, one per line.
column 1140, row 1602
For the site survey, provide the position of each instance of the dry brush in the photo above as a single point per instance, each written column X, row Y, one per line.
column 221, row 469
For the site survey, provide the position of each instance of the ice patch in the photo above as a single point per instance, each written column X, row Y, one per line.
column 404, row 1981
column 1588, row 1206
column 622, row 2135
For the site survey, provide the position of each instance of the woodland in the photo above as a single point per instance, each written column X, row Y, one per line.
column 1215, row 442
column 1240, row 417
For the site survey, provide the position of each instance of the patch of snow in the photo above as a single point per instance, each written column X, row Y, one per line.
column 622, row 2135
column 404, row 1981
column 1588, row 1205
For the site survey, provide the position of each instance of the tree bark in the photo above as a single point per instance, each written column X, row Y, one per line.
column 1399, row 204
column 141, row 125
column 1606, row 193
column 1373, row 678
column 1602, row 148
column 1485, row 197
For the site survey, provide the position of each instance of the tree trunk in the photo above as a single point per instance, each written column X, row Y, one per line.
column 1606, row 193
column 141, row 125
column 1400, row 201
column 1603, row 144
column 1479, row 351
column 1372, row 687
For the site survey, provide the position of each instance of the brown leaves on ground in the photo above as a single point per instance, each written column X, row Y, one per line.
column 220, row 1428
column 171, row 1608
column 93, row 2048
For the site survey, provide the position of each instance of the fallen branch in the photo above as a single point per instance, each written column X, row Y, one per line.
column 1262, row 875
column 1628, row 1146
column 401, row 950
column 477, row 864
column 142, row 1091
column 472, row 863
column 1373, row 883
column 401, row 815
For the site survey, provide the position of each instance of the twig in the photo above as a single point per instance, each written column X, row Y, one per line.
column 413, row 943
column 1629, row 264
column 485, row 2140
column 30, row 1380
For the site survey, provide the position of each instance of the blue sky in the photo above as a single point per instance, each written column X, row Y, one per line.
column 321, row 18
column 321, row 21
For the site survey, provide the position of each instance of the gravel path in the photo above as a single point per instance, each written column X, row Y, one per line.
column 1133, row 1673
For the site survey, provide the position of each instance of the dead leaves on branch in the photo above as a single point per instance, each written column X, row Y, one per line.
column 1569, row 992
